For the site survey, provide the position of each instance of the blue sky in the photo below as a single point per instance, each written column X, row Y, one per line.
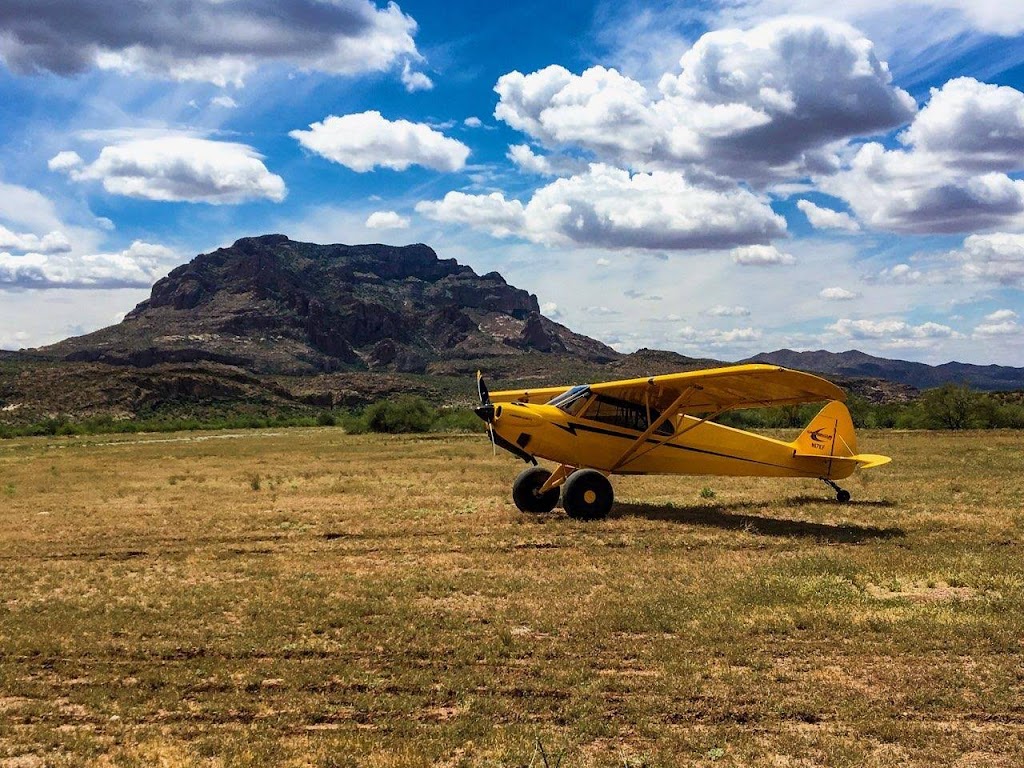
column 717, row 178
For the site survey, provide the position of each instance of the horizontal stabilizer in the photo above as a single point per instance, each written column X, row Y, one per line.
column 868, row 460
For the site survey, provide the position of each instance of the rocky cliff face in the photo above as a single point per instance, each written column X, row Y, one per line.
column 272, row 305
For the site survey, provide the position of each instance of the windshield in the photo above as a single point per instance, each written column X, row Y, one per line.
column 571, row 399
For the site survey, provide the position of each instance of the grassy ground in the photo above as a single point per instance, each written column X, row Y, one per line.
column 311, row 598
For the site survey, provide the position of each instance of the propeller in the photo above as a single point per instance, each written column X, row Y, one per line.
column 486, row 409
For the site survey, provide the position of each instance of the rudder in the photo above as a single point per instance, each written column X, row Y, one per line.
column 830, row 433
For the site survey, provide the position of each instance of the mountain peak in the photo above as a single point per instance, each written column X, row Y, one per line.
column 275, row 305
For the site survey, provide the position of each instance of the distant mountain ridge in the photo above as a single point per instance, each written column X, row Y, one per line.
column 856, row 364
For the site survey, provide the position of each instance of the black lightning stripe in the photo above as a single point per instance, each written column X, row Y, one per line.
column 574, row 426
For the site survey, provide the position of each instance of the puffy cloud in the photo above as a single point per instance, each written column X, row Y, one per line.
column 1001, row 315
column 367, row 140
column 951, row 176
column 138, row 266
column 998, row 257
column 179, row 168
column 972, row 124
column 891, row 329
column 721, row 310
column 826, row 218
column 611, row 208
column 901, row 274
column 913, row 192
column 838, row 294
column 715, row 337
column 415, row 81
column 473, row 122
column 386, row 220
column 53, row 242
column 761, row 256
column 527, row 160
column 65, row 161
column 544, row 165
column 1002, row 322
column 600, row 110
column 750, row 104
column 218, row 42
column 491, row 213
column 550, row 309
column 224, row 102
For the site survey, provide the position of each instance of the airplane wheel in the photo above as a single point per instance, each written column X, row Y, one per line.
column 587, row 495
column 843, row 496
column 525, row 487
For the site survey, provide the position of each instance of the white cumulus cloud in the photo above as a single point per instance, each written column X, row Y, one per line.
column 52, row 242
column 996, row 257
column 415, row 81
column 900, row 274
column 750, row 104
column 837, row 294
column 761, row 256
column 827, row 218
column 368, row 140
column 179, row 168
column 722, row 310
column 1002, row 322
column 387, row 220
column 611, row 208
column 890, row 328
column 215, row 41
column 951, row 175
column 138, row 266
column 715, row 337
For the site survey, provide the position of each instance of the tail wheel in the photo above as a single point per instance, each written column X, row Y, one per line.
column 842, row 496
column 526, row 495
column 587, row 495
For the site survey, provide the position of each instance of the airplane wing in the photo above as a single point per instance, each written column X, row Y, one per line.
column 715, row 389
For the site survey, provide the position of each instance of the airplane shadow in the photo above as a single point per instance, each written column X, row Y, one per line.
column 731, row 517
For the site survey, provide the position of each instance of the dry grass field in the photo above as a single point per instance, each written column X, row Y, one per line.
column 306, row 597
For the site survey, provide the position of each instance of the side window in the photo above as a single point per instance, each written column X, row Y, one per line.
column 622, row 413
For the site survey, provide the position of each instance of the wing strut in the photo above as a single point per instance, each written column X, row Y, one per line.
column 683, row 431
column 667, row 414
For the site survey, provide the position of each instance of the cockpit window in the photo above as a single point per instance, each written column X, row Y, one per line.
column 622, row 413
column 572, row 399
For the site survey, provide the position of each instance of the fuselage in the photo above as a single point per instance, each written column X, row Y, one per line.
column 684, row 446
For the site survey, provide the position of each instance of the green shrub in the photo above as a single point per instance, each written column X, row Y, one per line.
column 408, row 413
column 456, row 420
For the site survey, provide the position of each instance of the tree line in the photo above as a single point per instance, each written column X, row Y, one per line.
column 951, row 406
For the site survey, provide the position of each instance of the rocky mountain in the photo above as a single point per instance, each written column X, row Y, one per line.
column 274, row 306
column 858, row 365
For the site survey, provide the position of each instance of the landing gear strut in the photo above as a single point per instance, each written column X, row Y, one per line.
column 842, row 496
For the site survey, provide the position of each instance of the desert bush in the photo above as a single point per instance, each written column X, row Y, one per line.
column 407, row 413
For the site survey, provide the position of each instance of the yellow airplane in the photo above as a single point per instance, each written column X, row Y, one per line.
column 662, row 425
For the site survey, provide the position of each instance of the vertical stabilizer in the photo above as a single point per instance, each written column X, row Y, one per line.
column 830, row 433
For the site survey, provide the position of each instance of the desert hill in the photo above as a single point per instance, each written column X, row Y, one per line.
column 858, row 365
